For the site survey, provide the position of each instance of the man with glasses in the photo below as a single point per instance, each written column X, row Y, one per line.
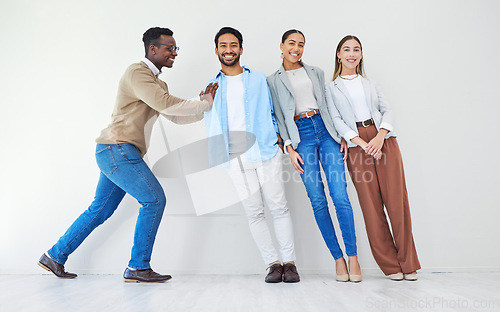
column 243, row 113
column 141, row 98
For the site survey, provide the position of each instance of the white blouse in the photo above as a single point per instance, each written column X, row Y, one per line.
column 358, row 97
column 359, row 103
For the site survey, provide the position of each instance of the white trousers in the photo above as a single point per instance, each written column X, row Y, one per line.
column 259, row 183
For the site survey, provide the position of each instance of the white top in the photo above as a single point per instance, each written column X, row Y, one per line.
column 357, row 93
column 235, row 93
column 303, row 91
column 360, row 104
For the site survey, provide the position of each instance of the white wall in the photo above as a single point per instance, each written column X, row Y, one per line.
column 60, row 64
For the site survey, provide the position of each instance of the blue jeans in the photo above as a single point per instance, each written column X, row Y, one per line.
column 122, row 171
column 316, row 145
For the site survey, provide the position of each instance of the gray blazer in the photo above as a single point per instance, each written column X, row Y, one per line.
column 284, row 103
column 341, row 111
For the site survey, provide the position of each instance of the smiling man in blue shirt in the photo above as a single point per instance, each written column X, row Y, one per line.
column 242, row 114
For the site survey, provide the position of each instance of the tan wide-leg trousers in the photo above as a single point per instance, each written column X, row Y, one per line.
column 378, row 183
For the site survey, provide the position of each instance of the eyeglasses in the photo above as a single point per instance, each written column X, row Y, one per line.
column 171, row 47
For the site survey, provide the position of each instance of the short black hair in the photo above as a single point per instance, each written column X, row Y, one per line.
column 151, row 36
column 228, row 30
column 289, row 32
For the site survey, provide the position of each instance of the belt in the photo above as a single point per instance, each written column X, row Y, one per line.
column 365, row 123
column 307, row 114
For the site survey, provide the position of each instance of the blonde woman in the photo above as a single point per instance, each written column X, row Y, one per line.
column 364, row 119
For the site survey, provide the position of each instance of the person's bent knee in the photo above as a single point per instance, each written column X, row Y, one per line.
column 162, row 200
column 255, row 217
column 281, row 211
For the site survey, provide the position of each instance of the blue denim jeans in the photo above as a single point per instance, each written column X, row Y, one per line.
column 316, row 145
column 122, row 171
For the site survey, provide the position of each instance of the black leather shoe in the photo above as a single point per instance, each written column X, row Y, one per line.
column 144, row 276
column 58, row 269
column 275, row 274
column 290, row 274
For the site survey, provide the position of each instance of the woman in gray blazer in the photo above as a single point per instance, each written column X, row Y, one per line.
column 363, row 118
column 297, row 91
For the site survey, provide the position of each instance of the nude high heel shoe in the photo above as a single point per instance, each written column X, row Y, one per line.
column 355, row 278
column 341, row 277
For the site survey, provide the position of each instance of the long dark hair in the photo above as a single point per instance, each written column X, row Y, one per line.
column 289, row 32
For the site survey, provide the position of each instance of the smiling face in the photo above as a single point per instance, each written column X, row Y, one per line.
column 350, row 55
column 292, row 49
column 228, row 50
column 161, row 55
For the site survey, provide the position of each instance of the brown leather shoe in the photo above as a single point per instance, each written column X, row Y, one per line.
column 275, row 274
column 58, row 269
column 144, row 276
column 290, row 274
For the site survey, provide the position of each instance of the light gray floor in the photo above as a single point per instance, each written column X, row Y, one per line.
column 315, row 293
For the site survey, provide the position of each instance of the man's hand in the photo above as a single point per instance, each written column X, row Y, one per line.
column 209, row 93
column 280, row 142
column 281, row 147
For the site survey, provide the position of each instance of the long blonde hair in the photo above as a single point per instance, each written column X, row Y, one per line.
column 338, row 65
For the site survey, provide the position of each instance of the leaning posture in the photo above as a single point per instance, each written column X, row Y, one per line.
column 141, row 98
column 305, row 124
column 363, row 117
column 243, row 114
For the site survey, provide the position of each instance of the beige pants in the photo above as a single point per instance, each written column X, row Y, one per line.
column 382, row 183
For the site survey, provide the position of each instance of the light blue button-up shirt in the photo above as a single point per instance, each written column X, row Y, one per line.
column 260, row 123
